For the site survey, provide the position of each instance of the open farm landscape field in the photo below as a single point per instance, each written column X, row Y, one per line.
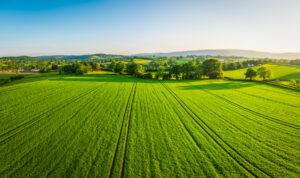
column 281, row 72
column 118, row 126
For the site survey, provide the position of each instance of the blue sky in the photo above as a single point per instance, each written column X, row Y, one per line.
column 44, row 27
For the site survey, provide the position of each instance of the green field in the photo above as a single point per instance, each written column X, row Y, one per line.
column 113, row 126
column 6, row 76
column 282, row 72
column 185, row 60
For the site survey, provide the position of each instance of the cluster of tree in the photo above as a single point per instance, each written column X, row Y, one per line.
column 75, row 68
column 295, row 62
column 190, row 70
column 12, row 78
column 263, row 72
column 232, row 65
column 295, row 83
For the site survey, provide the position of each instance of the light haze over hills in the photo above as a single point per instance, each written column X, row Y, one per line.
column 227, row 52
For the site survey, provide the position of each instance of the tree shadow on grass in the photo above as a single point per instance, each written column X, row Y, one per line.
column 100, row 78
column 218, row 86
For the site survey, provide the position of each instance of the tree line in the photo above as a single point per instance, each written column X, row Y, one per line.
column 263, row 72
column 211, row 68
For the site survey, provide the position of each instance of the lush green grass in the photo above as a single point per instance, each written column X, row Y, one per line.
column 283, row 72
column 108, row 125
column 185, row 60
column 142, row 61
column 6, row 76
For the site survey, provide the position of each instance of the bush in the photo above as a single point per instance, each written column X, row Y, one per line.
column 149, row 75
column 16, row 77
column 81, row 70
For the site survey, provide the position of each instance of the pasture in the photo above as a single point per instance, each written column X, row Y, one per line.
column 101, row 125
column 282, row 72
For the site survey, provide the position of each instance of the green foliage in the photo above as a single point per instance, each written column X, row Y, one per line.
column 176, row 71
column 264, row 72
column 160, row 72
column 120, row 68
column 213, row 69
column 135, row 69
column 295, row 83
column 250, row 73
column 81, row 70
column 279, row 72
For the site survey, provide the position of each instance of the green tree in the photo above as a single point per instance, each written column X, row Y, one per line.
column 239, row 65
column 264, row 72
column 112, row 65
column 212, row 68
column 160, row 72
column 175, row 70
column 135, row 69
column 187, row 69
column 198, row 71
column 250, row 73
column 120, row 67
column 82, row 69
column 95, row 66
column 232, row 66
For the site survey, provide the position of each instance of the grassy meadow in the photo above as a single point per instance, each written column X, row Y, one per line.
column 281, row 72
column 102, row 125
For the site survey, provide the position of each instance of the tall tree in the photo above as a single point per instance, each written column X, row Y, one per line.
column 120, row 67
column 135, row 69
column 175, row 70
column 212, row 68
column 250, row 73
column 160, row 72
column 264, row 72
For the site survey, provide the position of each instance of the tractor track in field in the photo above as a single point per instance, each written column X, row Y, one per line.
column 254, row 112
column 273, row 91
column 190, row 112
column 60, row 126
column 132, row 92
column 268, row 99
column 42, row 116
column 41, row 100
column 128, row 127
column 253, row 120
column 77, row 132
column 269, row 147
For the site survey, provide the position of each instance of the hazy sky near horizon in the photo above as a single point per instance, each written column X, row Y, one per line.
column 35, row 27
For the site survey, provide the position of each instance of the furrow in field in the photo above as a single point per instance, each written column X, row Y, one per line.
column 293, row 93
column 264, row 98
column 249, row 116
column 127, row 132
column 33, row 98
column 20, row 160
column 69, row 146
column 118, row 146
column 16, row 85
column 242, row 161
column 271, row 145
column 287, row 124
column 159, row 144
column 18, row 130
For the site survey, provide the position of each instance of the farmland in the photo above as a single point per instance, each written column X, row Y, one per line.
column 282, row 72
column 101, row 125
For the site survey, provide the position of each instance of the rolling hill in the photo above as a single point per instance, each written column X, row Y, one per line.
column 227, row 52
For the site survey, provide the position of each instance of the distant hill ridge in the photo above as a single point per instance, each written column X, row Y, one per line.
column 227, row 52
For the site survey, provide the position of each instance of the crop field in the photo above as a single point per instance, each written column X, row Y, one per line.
column 185, row 60
column 101, row 125
column 282, row 72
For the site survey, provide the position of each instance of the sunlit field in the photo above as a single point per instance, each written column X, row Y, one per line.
column 102, row 125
